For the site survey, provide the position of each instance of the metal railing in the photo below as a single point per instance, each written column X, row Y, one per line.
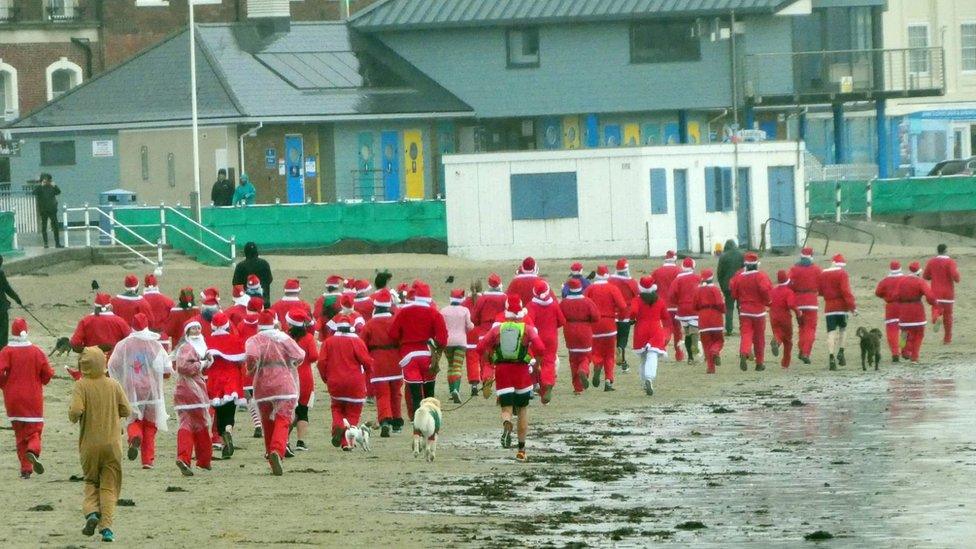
column 859, row 230
column 24, row 206
column 166, row 225
column 110, row 233
column 8, row 14
column 807, row 230
column 64, row 10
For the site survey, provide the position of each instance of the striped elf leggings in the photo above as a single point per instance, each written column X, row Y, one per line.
column 455, row 367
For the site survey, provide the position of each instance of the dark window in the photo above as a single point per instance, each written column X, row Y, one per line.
column 144, row 160
column 544, row 196
column 171, row 169
column 718, row 189
column 58, row 153
column 664, row 42
column 5, row 170
column 522, row 46
column 659, row 191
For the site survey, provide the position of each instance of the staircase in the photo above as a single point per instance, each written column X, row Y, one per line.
column 117, row 255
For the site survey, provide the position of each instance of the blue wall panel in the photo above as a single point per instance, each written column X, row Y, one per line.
column 544, row 196
column 659, row 191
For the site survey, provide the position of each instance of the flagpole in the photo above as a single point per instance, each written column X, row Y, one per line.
column 193, row 108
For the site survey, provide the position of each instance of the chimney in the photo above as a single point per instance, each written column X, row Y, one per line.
column 269, row 16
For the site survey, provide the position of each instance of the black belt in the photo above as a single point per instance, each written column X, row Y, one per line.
column 384, row 348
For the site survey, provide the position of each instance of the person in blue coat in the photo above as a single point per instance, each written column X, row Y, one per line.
column 575, row 271
column 245, row 193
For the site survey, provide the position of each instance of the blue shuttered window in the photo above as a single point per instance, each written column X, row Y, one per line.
column 659, row 191
column 718, row 189
column 544, row 196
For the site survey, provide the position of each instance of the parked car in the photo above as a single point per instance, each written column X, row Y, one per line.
column 959, row 166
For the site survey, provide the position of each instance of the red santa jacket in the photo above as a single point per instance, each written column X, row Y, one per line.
column 318, row 312
column 247, row 327
column 224, row 380
column 102, row 329
column 652, row 324
column 782, row 304
column 943, row 273
column 160, row 306
column 523, row 284
column 835, row 287
column 126, row 307
column 910, row 292
column 364, row 306
column 306, row 381
column 751, row 290
column 628, row 290
column 236, row 313
column 710, row 306
column 489, row 305
column 326, row 328
column 24, row 371
column 344, row 364
column 535, row 344
column 663, row 277
column 416, row 323
column 383, row 348
column 805, row 283
column 475, row 334
column 285, row 304
column 177, row 319
column 610, row 304
column 581, row 315
column 887, row 290
column 682, row 294
column 547, row 318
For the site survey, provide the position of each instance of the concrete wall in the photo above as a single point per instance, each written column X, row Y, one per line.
column 80, row 182
column 613, row 188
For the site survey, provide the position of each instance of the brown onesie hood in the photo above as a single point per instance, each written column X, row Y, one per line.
column 92, row 363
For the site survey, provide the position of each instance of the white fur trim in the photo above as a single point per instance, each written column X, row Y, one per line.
column 347, row 399
column 27, row 419
column 412, row 355
column 912, row 324
column 575, row 295
column 606, row 334
column 19, row 344
column 891, row 321
column 241, row 357
column 276, row 397
column 703, row 330
column 292, row 297
column 586, row 350
column 808, row 307
column 945, row 300
column 129, row 297
column 752, row 315
column 385, row 379
column 836, row 313
column 191, row 406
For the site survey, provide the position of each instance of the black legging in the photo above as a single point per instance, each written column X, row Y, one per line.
column 52, row 218
column 418, row 392
column 225, row 416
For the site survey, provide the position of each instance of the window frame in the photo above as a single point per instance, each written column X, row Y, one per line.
column 63, row 64
column 509, row 63
column 10, row 72
column 723, row 197
column 928, row 44
column 963, row 47
column 690, row 24
column 48, row 163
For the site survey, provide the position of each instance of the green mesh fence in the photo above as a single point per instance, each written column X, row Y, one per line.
column 895, row 196
column 7, row 231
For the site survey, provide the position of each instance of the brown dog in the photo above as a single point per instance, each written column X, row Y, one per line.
column 870, row 346
column 61, row 348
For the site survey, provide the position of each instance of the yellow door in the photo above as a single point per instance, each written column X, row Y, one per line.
column 631, row 135
column 413, row 162
column 694, row 132
column 571, row 132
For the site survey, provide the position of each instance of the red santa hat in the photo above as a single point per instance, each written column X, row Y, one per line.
column 494, row 281
column 253, row 283
column 342, row 321
column 297, row 317
column 103, row 300
column 751, row 258
column 528, row 266
column 333, row 281
column 255, row 304
column 187, row 297
column 622, row 265
column 646, row 285
column 895, row 266
column 806, row 253
column 576, row 268
column 915, row 267
column 541, row 289
column 839, row 260
column 266, row 320
column 707, row 275
column 457, row 296
column 421, row 291
column 782, row 276
column 292, row 286
column 363, row 286
column 191, row 324
column 131, row 282
column 602, row 272
column 383, row 298
column 220, row 322
column 140, row 322
column 688, row 263
column 150, row 281
column 670, row 256
column 574, row 285
column 211, row 298
column 346, row 301
column 251, row 318
column 19, row 329
column 513, row 307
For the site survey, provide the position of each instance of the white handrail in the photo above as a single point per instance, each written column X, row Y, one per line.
column 123, row 244
column 113, row 222
column 215, row 252
column 198, row 225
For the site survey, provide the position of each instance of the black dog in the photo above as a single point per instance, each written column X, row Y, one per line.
column 870, row 347
column 62, row 347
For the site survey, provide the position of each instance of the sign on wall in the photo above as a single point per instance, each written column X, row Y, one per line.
column 270, row 158
column 310, row 168
column 103, row 148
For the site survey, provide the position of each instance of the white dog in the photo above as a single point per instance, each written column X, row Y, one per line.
column 426, row 425
column 357, row 436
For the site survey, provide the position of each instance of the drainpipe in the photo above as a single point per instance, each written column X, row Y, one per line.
column 85, row 44
column 251, row 132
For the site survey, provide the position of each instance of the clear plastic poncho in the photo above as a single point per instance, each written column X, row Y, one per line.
column 190, row 394
column 272, row 359
column 138, row 363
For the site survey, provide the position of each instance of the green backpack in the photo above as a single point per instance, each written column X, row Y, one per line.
column 511, row 343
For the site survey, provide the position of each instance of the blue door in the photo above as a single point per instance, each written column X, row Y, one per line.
column 390, row 144
column 612, row 136
column 782, row 206
column 294, row 157
column 742, row 207
column 681, row 209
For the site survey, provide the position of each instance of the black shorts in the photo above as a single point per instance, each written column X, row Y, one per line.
column 836, row 321
column 301, row 413
column 623, row 334
column 514, row 399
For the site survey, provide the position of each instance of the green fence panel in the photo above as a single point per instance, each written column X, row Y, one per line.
column 7, row 231
column 895, row 196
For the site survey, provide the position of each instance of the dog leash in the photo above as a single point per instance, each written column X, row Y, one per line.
column 41, row 324
column 459, row 406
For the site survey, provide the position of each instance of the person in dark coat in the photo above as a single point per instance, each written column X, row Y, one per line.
column 253, row 264
column 5, row 290
column 223, row 190
column 47, row 206
column 729, row 263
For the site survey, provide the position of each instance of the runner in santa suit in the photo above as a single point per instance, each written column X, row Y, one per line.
column 347, row 308
column 385, row 376
column 191, row 402
column 681, row 293
column 289, row 301
column 628, row 289
column 415, row 325
column 941, row 271
column 225, row 382
column 209, row 307
column 612, row 307
column 327, row 305
column 129, row 302
column 363, row 303
column 159, row 304
column 24, row 371
column 457, row 318
column 524, row 280
column 804, row 281
column 253, row 287
column 710, row 306
column 663, row 277
column 490, row 304
column 345, row 365
column 139, row 363
column 183, row 312
column 887, row 290
column 299, row 324
column 581, row 315
column 472, row 360
column 835, row 287
column 750, row 289
column 272, row 360
column 575, row 271
column 911, row 291
column 547, row 318
column 236, row 312
column 651, row 330
column 782, row 309
column 100, row 329
column 247, row 328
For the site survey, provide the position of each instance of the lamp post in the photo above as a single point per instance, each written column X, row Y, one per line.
column 193, row 114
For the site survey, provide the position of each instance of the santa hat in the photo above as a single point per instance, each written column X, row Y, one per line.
column 647, row 285
column 103, row 300
column 211, row 298
column 240, row 298
column 895, row 266
column 266, row 320
column 292, row 285
column 191, row 324
column 346, row 301
column 220, row 322
column 253, row 283
column 806, row 253
column 622, row 265
column 342, row 321
column 602, row 273
column 707, row 275
column 383, row 298
column 150, row 281
column 187, row 296
column 251, row 318
column 670, row 256
column 131, row 282
column 782, row 276
column 333, row 281
column 528, row 266
column 541, row 289
column 457, row 296
column 915, row 267
column 839, row 260
column 576, row 268
column 255, row 304
column 140, row 322
column 19, row 329
column 421, row 291
column 574, row 285
column 494, row 281
column 297, row 318
column 751, row 258
column 688, row 263
column 363, row 286
column 513, row 307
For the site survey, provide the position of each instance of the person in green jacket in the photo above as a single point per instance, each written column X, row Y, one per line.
column 245, row 192
column 729, row 263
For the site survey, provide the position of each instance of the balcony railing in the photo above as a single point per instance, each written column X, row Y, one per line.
column 62, row 11
column 8, row 14
column 809, row 77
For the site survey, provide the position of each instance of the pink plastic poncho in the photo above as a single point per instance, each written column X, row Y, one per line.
column 190, row 397
column 138, row 363
column 272, row 359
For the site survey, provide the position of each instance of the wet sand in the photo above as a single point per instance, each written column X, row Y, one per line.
column 896, row 447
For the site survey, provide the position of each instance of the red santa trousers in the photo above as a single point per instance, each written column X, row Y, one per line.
column 604, row 354
column 752, row 341
column 783, row 333
column 146, row 432
column 808, row 331
column 943, row 310
column 350, row 411
column 547, row 366
column 28, row 437
column 415, row 362
column 275, row 429
column 913, row 341
column 389, row 396
column 472, row 361
column 893, row 335
column 712, row 342
column 579, row 363
column 197, row 442
column 678, row 335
